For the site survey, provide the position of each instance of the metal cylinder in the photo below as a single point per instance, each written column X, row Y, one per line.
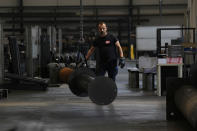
column 133, row 78
column 186, row 102
column 147, row 81
column 83, row 82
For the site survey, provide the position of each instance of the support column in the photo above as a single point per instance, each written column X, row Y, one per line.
column 60, row 41
column 195, row 15
column 130, row 24
column 29, row 50
column 21, row 16
column 1, row 57
column 32, row 49
column 192, row 16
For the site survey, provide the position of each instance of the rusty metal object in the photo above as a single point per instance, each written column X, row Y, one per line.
column 64, row 73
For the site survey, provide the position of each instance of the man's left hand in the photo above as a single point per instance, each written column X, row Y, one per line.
column 122, row 62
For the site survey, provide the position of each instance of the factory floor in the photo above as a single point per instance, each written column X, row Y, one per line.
column 57, row 109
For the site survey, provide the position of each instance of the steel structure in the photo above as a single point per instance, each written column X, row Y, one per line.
column 1, row 57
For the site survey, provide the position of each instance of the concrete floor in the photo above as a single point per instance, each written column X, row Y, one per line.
column 59, row 110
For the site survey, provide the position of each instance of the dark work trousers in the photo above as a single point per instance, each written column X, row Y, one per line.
column 110, row 67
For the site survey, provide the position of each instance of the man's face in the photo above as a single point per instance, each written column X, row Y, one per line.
column 102, row 28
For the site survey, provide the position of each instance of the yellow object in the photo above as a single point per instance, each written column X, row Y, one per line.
column 132, row 52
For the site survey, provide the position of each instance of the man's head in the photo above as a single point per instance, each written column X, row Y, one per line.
column 102, row 28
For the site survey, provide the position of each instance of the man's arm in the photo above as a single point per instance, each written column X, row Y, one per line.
column 90, row 51
column 119, row 49
column 121, row 60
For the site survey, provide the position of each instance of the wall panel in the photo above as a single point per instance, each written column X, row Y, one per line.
column 73, row 2
column 86, row 2
column 51, row 2
column 8, row 3
column 149, row 2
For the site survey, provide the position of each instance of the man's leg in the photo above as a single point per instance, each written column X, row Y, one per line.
column 112, row 72
column 100, row 71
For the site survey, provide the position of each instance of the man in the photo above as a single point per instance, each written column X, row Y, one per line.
column 107, row 46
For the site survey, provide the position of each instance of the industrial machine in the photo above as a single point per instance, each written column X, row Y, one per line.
column 18, row 79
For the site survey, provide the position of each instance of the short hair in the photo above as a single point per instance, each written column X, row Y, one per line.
column 101, row 23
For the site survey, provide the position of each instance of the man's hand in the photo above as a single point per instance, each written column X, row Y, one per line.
column 122, row 62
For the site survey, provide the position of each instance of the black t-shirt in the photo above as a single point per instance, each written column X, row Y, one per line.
column 107, row 48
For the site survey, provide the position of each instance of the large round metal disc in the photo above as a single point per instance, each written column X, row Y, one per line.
column 102, row 90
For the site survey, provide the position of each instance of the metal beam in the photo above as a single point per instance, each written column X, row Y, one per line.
column 70, row 21
column 98, row 7
column 107, row 7
column 73, row 15
column 76, row 30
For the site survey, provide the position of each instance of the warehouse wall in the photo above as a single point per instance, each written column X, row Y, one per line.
column 48, row 12
column 98, row 2
column 8, row 3
column 165, row 20
column 63, row 2
column 86, row 2
column 75, row 2
column 157, row 1
column 147, row 11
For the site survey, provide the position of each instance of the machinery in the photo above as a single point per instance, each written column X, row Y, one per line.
column 181, row 98
column 15, row 75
